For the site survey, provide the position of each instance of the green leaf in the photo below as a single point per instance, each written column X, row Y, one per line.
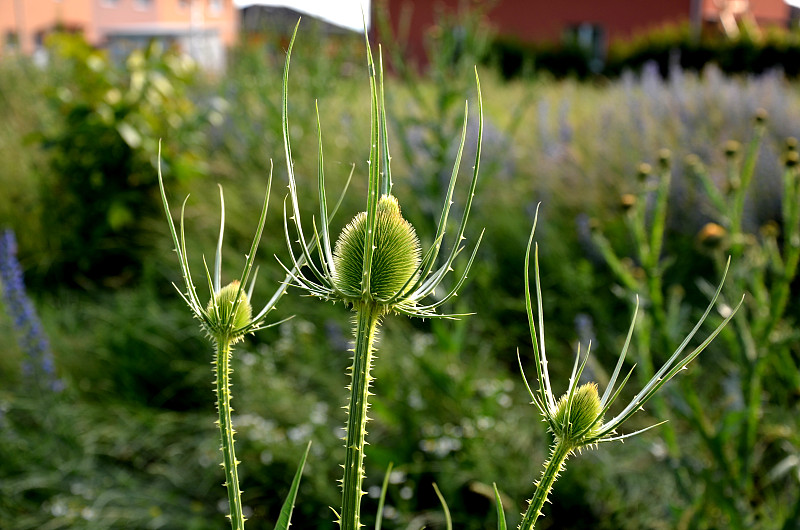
column 382, row 500
column 288, row 505
column 501, row 516
column 448, row 521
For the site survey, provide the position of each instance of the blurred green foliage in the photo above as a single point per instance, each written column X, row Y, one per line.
column 99, row 193
column 131, row 443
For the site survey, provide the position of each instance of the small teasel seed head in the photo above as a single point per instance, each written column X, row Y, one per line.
column 711, row 236
column 584, row 408
column 761, row 116
column 792, row 158
column 664, row 158
column 395, row 257
column 627, row 201
column 224, row 300
column 643, row 171
column 770, row 230
column 732, row 148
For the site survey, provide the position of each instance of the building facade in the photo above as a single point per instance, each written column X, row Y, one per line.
column 201, row 28
column 595, row 22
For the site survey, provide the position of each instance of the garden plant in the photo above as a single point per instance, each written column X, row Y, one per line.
column 764, row 266
column 105, row 417
column 377, row 268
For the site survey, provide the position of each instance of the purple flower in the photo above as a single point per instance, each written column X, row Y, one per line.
column 38, row 366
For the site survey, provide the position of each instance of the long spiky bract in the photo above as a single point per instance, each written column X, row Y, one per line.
column 376, row 266
column 209, row 315
column 577, row 419
column 318, row 276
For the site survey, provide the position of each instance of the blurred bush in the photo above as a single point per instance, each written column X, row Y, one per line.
column 102, row 150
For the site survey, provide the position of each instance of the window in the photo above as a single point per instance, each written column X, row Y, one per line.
column 11, row 41
column 143, row 5
column 215, row 6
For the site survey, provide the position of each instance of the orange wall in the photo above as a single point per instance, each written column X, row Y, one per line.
column 41, row 15
column 225, row 20
column 94, row 17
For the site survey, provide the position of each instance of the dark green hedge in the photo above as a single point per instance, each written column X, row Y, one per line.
column 666, row 47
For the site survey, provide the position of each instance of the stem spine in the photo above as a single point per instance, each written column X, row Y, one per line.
column 558, row 456
column 367, row 318
column 223, row 371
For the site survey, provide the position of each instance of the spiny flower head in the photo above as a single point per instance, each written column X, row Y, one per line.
column 577, row 418
column 231, row 307
column 377, row 258
column 395, row 260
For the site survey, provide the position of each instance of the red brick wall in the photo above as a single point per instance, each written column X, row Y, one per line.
column 546, row 20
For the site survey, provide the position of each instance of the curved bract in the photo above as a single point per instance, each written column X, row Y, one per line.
column 228, row 321
column 374, row 271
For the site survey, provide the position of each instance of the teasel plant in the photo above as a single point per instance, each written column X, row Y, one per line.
column 226, row 319
column 577, row 419
column 376, row 267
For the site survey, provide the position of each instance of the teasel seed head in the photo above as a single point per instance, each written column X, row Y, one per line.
column 761, row 116
column 231, row 315
column 732, row 148
column 770, row 230
column 395, row 259
column 711, row 236
column 627, row 201
column 664, row 158
column 576, row 416
column 792, row 158
column 643, row 171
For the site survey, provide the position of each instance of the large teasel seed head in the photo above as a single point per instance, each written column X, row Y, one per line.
column 395, row 259
column 225, row 299
column 573, row 416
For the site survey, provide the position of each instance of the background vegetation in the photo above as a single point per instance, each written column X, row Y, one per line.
column 120, row 433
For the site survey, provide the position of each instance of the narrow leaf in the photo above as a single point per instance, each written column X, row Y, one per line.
column 288, row 505
column 382, row 499
column 501, row 516
column 448, row 521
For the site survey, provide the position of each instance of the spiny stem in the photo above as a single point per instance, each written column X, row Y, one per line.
column 367, row 319
column 223, row 371
column 552, row 468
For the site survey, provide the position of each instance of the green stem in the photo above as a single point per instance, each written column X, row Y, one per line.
column 367, row 319
column 223, row 371
column 554, row 466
